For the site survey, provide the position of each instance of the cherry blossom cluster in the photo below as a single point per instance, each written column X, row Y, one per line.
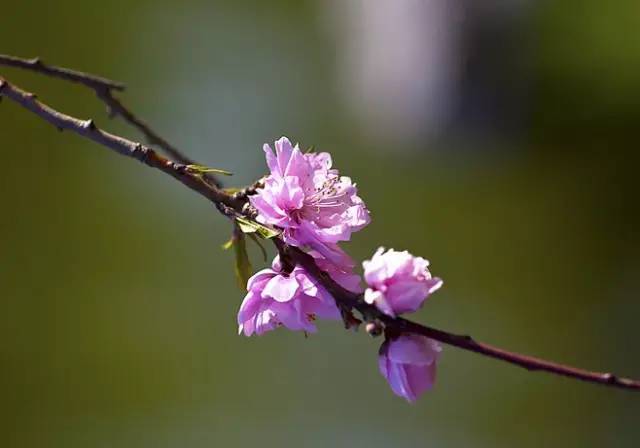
column 315, row 208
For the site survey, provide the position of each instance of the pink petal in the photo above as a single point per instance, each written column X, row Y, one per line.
column 272, row 162
column 281, row 288
column 293, row 317
column 249, row 307
column 377, row 298
column 375, row 270
column 434, row 284
column 291, row 193
column 420, row 378
column 283, row 154
column 413, row 349
column 258, row 279
column 398, row 381
column 407, row 297
column 268, row 210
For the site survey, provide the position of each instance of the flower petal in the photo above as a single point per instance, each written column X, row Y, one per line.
column 377, row 298
column 414, row 349
column 281, row 288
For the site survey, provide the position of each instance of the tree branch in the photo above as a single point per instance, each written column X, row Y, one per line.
column 530, row 363
column 232, row 206
column 103, row 89
column 401, row 325
column 89, row 130
column 36, row 65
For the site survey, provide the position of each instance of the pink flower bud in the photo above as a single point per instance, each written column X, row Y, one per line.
column 408, row 363
column 398, row 282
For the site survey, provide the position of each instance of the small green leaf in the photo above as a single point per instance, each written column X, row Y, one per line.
column 243, row 265
column 257, row 241
column 202, row 169
column 228, row 244
column 267, row 233
column 249, row 226
column 246, row 226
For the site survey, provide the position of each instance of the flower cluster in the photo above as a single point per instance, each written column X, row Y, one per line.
column 315, row 208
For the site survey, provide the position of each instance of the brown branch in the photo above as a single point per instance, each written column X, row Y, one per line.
column 244, row 193
column 231, row 207
column 89, row 130
column 401, row 325
column 530, row 363
column 92, row 81
column 103, row 89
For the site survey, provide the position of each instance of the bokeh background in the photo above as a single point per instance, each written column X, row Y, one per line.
column 499, row 139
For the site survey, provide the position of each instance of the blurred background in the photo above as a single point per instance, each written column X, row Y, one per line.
column 496, row 138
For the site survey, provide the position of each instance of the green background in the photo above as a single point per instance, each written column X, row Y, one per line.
column 118, row 306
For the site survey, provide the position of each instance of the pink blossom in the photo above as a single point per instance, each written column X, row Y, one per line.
column 409, row 364
column 309, row 200
column 293, row 300
column 398, row 282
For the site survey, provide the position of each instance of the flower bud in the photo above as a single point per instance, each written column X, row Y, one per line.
column 398, row 282
column 408, row 363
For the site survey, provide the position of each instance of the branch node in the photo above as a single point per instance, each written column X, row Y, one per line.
column 350, row 321
column 89, row 125
column 141, row 153
column 610, row 378
column 249, row 210
column 36, row 61
column 374, row 328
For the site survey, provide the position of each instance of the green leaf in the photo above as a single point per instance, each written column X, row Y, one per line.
column 202, row 169
column 243, row 265
column 257, row 241
column 249, row 226
column 228, row 244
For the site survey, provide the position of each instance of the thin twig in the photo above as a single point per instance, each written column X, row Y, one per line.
column 247, row 191
column 36, row 65
column 229, row 206
column 89, row 130
column 103, row 89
